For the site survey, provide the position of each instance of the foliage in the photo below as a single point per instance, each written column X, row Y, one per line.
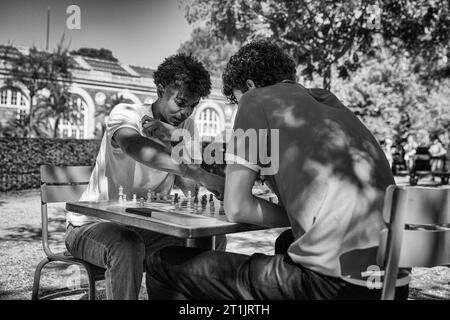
column 389, row 98
column 213, row 52
column 48, row 78
column 324, row 34
column 21, row 158
column 102, row 53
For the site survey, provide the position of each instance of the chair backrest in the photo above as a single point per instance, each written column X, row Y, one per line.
column 418, row 233
column 63, row 184
column 60, row 184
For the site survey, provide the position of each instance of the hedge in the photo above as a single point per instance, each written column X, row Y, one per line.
column 20, row 158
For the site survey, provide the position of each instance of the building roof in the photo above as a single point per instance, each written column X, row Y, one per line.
column 143, row 71
column 107, row 66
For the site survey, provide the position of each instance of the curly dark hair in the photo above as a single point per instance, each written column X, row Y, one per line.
column 183, row 70
column 261, row 61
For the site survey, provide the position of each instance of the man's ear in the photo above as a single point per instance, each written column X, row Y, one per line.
column 160, row 90
column 250, row 84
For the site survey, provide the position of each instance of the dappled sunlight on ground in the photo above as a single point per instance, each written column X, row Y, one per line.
column 21, row 250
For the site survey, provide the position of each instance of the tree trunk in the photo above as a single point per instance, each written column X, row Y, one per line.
column 327, row 78
column 55, row 128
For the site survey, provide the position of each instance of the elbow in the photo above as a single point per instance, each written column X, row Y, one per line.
column 233, row 211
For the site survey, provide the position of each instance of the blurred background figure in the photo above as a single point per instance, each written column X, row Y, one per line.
column 438, row 153
column 387, row 148
column 410, row 150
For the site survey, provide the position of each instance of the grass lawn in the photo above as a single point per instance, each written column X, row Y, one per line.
column 21, row 250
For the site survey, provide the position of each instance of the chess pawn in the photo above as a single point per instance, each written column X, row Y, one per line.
column 158, row 196
column 204, row 199
column 120, row 193
column 175, row 199
column 149, row 196
column 134, row 198
column 141, row 201
column 221, row 209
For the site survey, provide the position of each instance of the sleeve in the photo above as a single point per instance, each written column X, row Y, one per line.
column 122, row 116
column 248, row 140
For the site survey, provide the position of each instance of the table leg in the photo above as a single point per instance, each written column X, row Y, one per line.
column 204, row 242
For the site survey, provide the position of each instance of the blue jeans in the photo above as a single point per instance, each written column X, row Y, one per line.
column 207, row 274
column 122, row 251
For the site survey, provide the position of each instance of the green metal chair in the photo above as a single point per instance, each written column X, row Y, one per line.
column 63, row 184
column 418, row 232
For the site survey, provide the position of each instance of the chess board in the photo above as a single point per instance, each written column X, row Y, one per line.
column 182, row 211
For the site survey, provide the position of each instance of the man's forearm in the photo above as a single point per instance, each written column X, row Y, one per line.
column 157, row 156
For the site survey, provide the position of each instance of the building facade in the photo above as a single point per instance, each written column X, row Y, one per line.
column 97, row 81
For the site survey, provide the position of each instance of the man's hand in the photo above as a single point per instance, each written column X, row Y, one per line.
column 214, row 184
column 157, row 129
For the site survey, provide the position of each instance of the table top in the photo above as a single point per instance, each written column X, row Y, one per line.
column 193, row 221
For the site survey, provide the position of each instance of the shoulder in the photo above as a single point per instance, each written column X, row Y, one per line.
column 126, row 109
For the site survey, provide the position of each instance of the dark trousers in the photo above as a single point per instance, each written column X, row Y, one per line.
column 207, row 274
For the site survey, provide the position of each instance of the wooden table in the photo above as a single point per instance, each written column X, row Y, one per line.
column 198, row 230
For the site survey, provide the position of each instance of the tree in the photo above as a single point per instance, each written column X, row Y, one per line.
column 102, row 53
column 48, row 78
column 326, row 35
column 213, row 52
column 391, row 101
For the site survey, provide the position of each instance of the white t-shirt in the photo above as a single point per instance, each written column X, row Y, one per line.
column 113, row 168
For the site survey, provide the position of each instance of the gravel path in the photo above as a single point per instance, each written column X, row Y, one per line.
column 21, row 250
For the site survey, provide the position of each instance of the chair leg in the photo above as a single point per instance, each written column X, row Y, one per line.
column 37, row 278
column 91, row 279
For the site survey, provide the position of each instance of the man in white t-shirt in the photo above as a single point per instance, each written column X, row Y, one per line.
column 135, row 155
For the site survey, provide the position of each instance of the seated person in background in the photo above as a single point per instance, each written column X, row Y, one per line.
column 331, row 181
column 438, row 153
column 410, row 150
column 135, row 155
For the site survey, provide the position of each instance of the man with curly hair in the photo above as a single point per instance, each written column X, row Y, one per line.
column 135, row 155
column 330, row 183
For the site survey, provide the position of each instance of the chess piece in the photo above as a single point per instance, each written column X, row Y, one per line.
column 134, row 198
column 221, row 209
column 211, row 197
column 196, row 198
column 141, row 201
column 158, row 196
column 153, row 195
column 149, row 196
column 204, row 199
column 175, row 199
column 120, row 193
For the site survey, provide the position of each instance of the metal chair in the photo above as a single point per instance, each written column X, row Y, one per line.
column 418, row 232
column 63, row 184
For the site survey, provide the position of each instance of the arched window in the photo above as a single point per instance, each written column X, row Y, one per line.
column 14, row 98
column 209, row 123
column 75, row 126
